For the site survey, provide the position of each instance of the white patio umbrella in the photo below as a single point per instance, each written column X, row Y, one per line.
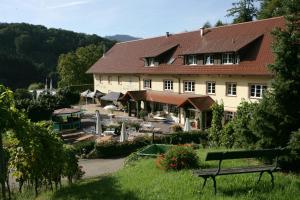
column 187, row 125
column 110, row 107
column 123, row 135
column 98, row 123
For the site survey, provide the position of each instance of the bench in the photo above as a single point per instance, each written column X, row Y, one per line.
column 269, row 154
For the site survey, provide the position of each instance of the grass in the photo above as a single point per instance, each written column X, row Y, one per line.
column 143, row 181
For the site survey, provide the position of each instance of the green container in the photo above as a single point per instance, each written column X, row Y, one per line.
column 154, row 149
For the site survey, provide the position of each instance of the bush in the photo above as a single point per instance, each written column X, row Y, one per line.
column 216, row 124
column 227, row 137
column 143, row 114
column 198, row 137
column 177, row 158
column 116, row 149
column 84, row 147
column 176, row 128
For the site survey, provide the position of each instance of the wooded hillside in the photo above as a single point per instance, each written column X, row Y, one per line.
column 29, row 53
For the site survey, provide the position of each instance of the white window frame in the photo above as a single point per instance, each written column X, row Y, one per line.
column 209, row 59
column 119, row 80
column 189, row 86
column 147, row 83
column 226, row 57
column 168, row 84
column 229, row 115
column 151, row 62
column 193, row 59
column 231, row 89
column 211, row 87
column 256, row 90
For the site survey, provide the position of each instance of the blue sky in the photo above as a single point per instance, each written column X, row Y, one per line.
column 141, row 18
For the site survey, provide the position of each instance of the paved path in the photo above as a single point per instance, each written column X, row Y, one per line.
column 96, row 167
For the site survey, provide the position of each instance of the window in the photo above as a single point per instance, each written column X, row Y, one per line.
column 227, row 58
column 119, row 80
column 211, row 87
column 209, row 59
column 228, row 115
column 189, row 86
column 257, row 90
column 147, row 83
column 237, row 59
column 100, row 78
column 168, row 85
column 231, row 89
column 109, row 79
column 151, row 62
column 191, row 60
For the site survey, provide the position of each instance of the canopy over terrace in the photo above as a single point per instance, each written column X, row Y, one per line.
column 185, row 103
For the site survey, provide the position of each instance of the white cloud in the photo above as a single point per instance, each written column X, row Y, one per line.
column 69, row 4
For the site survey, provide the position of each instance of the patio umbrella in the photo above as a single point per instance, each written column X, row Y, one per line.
column 98, row 123
column 84, row 94
column 187, row 125
column 123, row 135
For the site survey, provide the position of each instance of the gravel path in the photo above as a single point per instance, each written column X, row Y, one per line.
column 96, row 167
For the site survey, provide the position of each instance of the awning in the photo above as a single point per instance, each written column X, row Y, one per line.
column 199, row 102
column 95, row 94
column 112, row 96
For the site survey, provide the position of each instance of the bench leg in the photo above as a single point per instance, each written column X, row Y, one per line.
column 260, row 175
column 272, row 178
column 204, row 183
column 215, row 184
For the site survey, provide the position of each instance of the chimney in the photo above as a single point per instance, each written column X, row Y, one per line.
column 201, row 31
column 167, row 34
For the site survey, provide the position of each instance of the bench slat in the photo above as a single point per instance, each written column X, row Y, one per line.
column 269, row 153
column 238, row 170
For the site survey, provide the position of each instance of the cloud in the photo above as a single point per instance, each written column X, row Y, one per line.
column 69, row 4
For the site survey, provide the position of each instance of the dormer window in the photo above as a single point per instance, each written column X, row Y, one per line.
column 209, row 59
column 227, row 58
column 230, row 58
column 151, row 62
column 191, row 60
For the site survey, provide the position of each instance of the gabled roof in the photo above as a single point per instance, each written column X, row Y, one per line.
column 126, row 57
column 112, row 96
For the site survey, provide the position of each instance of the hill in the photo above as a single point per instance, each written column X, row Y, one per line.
column 121, row 38
column 29, row 53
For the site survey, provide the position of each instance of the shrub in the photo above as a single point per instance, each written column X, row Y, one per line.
column 116, row 149
column 216, row 123
column 135, row 125
column 84, row 147
column 143, row 114
column 198, row 137
column 176, row 128
column 177, row 158
column 227, row 137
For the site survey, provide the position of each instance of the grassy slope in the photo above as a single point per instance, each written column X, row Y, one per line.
column 145, row 181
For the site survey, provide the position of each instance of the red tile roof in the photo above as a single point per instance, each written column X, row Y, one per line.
column 127, row 57
column 201, row 102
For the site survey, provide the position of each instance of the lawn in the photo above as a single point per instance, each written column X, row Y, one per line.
column 144, row 181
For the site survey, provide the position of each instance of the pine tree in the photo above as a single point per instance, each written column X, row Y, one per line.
column 242, row 11
column 278, row 114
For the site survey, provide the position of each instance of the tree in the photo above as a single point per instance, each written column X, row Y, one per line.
column 219, row 23
column 242, row 11
column 271, row 8
column 72, row 67
column 206, row 25
column 278, row 114
column 215, row 131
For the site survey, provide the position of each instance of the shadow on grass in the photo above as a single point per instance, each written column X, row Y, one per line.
column 99, row 188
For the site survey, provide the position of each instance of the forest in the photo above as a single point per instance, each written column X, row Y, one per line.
column 30, row 53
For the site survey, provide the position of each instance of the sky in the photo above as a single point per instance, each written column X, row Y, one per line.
column 139, row 18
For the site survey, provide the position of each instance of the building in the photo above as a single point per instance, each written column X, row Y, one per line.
column 185, row 73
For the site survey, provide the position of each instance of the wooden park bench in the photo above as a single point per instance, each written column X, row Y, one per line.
column 268, row 154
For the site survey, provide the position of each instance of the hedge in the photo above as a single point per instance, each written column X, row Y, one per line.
column 116, row 149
